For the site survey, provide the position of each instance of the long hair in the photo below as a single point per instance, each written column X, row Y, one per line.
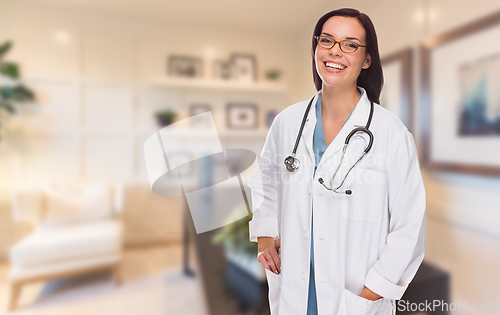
column 370, row 79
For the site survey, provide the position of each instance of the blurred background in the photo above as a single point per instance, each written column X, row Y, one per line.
column 85, row 83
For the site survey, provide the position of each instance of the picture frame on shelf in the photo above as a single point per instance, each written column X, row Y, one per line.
column 244, row 67
column 459, row 92
column 223, row 70
column 185, row 66
column 195, row 109
column 397, row 93
column 241, row 115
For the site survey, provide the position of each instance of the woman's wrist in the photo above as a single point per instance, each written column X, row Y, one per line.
column 264, row 242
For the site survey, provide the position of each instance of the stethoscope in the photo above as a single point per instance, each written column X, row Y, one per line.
column 292, row 163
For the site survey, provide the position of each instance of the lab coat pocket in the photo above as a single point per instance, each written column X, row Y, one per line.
column 274, row 284
column 368, row 200
column 356, row 305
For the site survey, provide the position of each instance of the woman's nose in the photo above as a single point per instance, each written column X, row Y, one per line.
column 335, row 50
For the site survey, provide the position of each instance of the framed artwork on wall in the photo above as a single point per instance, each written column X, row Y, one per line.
column 461, row 99
column 397, row 93
column 241, row 116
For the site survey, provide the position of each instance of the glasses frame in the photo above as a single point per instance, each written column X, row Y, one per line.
column 340, row 44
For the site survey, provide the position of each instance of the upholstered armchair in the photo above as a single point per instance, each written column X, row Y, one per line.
column 75, row 231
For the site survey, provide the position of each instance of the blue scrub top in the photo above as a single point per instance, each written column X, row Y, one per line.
column 319, row 148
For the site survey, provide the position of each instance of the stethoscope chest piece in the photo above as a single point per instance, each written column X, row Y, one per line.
column 292, row 163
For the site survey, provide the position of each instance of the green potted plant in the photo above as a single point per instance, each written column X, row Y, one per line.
column 235, row 235
column 12, row 91
column 165, row 117
column 273, row 74
column 245, row 277
column 237, row 246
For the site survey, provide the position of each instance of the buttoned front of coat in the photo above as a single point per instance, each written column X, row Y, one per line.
column 374, row 237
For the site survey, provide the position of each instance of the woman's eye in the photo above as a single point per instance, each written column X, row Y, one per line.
column 351, row 45
column 325, row 40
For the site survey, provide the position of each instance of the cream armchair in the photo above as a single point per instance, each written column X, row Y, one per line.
column 76, row 231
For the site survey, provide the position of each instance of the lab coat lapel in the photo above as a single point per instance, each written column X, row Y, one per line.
column 359, row 117
column 308, row 132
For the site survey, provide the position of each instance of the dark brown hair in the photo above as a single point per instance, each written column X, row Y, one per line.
column 370, row 79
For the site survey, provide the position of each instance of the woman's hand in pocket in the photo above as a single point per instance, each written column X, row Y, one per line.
column 369, row 294
column 268, row 254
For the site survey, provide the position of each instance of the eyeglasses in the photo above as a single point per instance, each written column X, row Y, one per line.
column 346, row 45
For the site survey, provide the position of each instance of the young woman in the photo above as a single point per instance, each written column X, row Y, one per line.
column 340, row 229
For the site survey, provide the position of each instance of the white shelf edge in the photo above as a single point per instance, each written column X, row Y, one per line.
column 217, row 85
column 179, row 83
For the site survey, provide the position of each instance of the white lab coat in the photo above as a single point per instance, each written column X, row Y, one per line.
column 374, row 237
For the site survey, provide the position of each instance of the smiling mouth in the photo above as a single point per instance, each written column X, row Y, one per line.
column 335, row 66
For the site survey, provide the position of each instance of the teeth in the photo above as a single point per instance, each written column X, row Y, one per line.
column 334, row 65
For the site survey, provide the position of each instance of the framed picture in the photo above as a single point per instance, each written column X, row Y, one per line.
column 397, row 93
column 244, row 67
column 241, row 116
column 223, row 70
column 199, row 122
column 185, row 66
column 461, row 99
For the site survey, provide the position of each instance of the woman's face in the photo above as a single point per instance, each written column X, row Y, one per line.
column 340, row 28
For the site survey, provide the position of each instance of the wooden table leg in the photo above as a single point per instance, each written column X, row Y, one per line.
column 187, row 217
column 117, row 278
column 15, row 292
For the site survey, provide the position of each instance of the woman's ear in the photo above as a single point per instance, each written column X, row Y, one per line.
column 368, row 62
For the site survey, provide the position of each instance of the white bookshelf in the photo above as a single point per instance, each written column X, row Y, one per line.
column 217, row 85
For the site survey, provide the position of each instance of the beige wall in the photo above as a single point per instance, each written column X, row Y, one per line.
column 94, row 73
column 463, row 213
